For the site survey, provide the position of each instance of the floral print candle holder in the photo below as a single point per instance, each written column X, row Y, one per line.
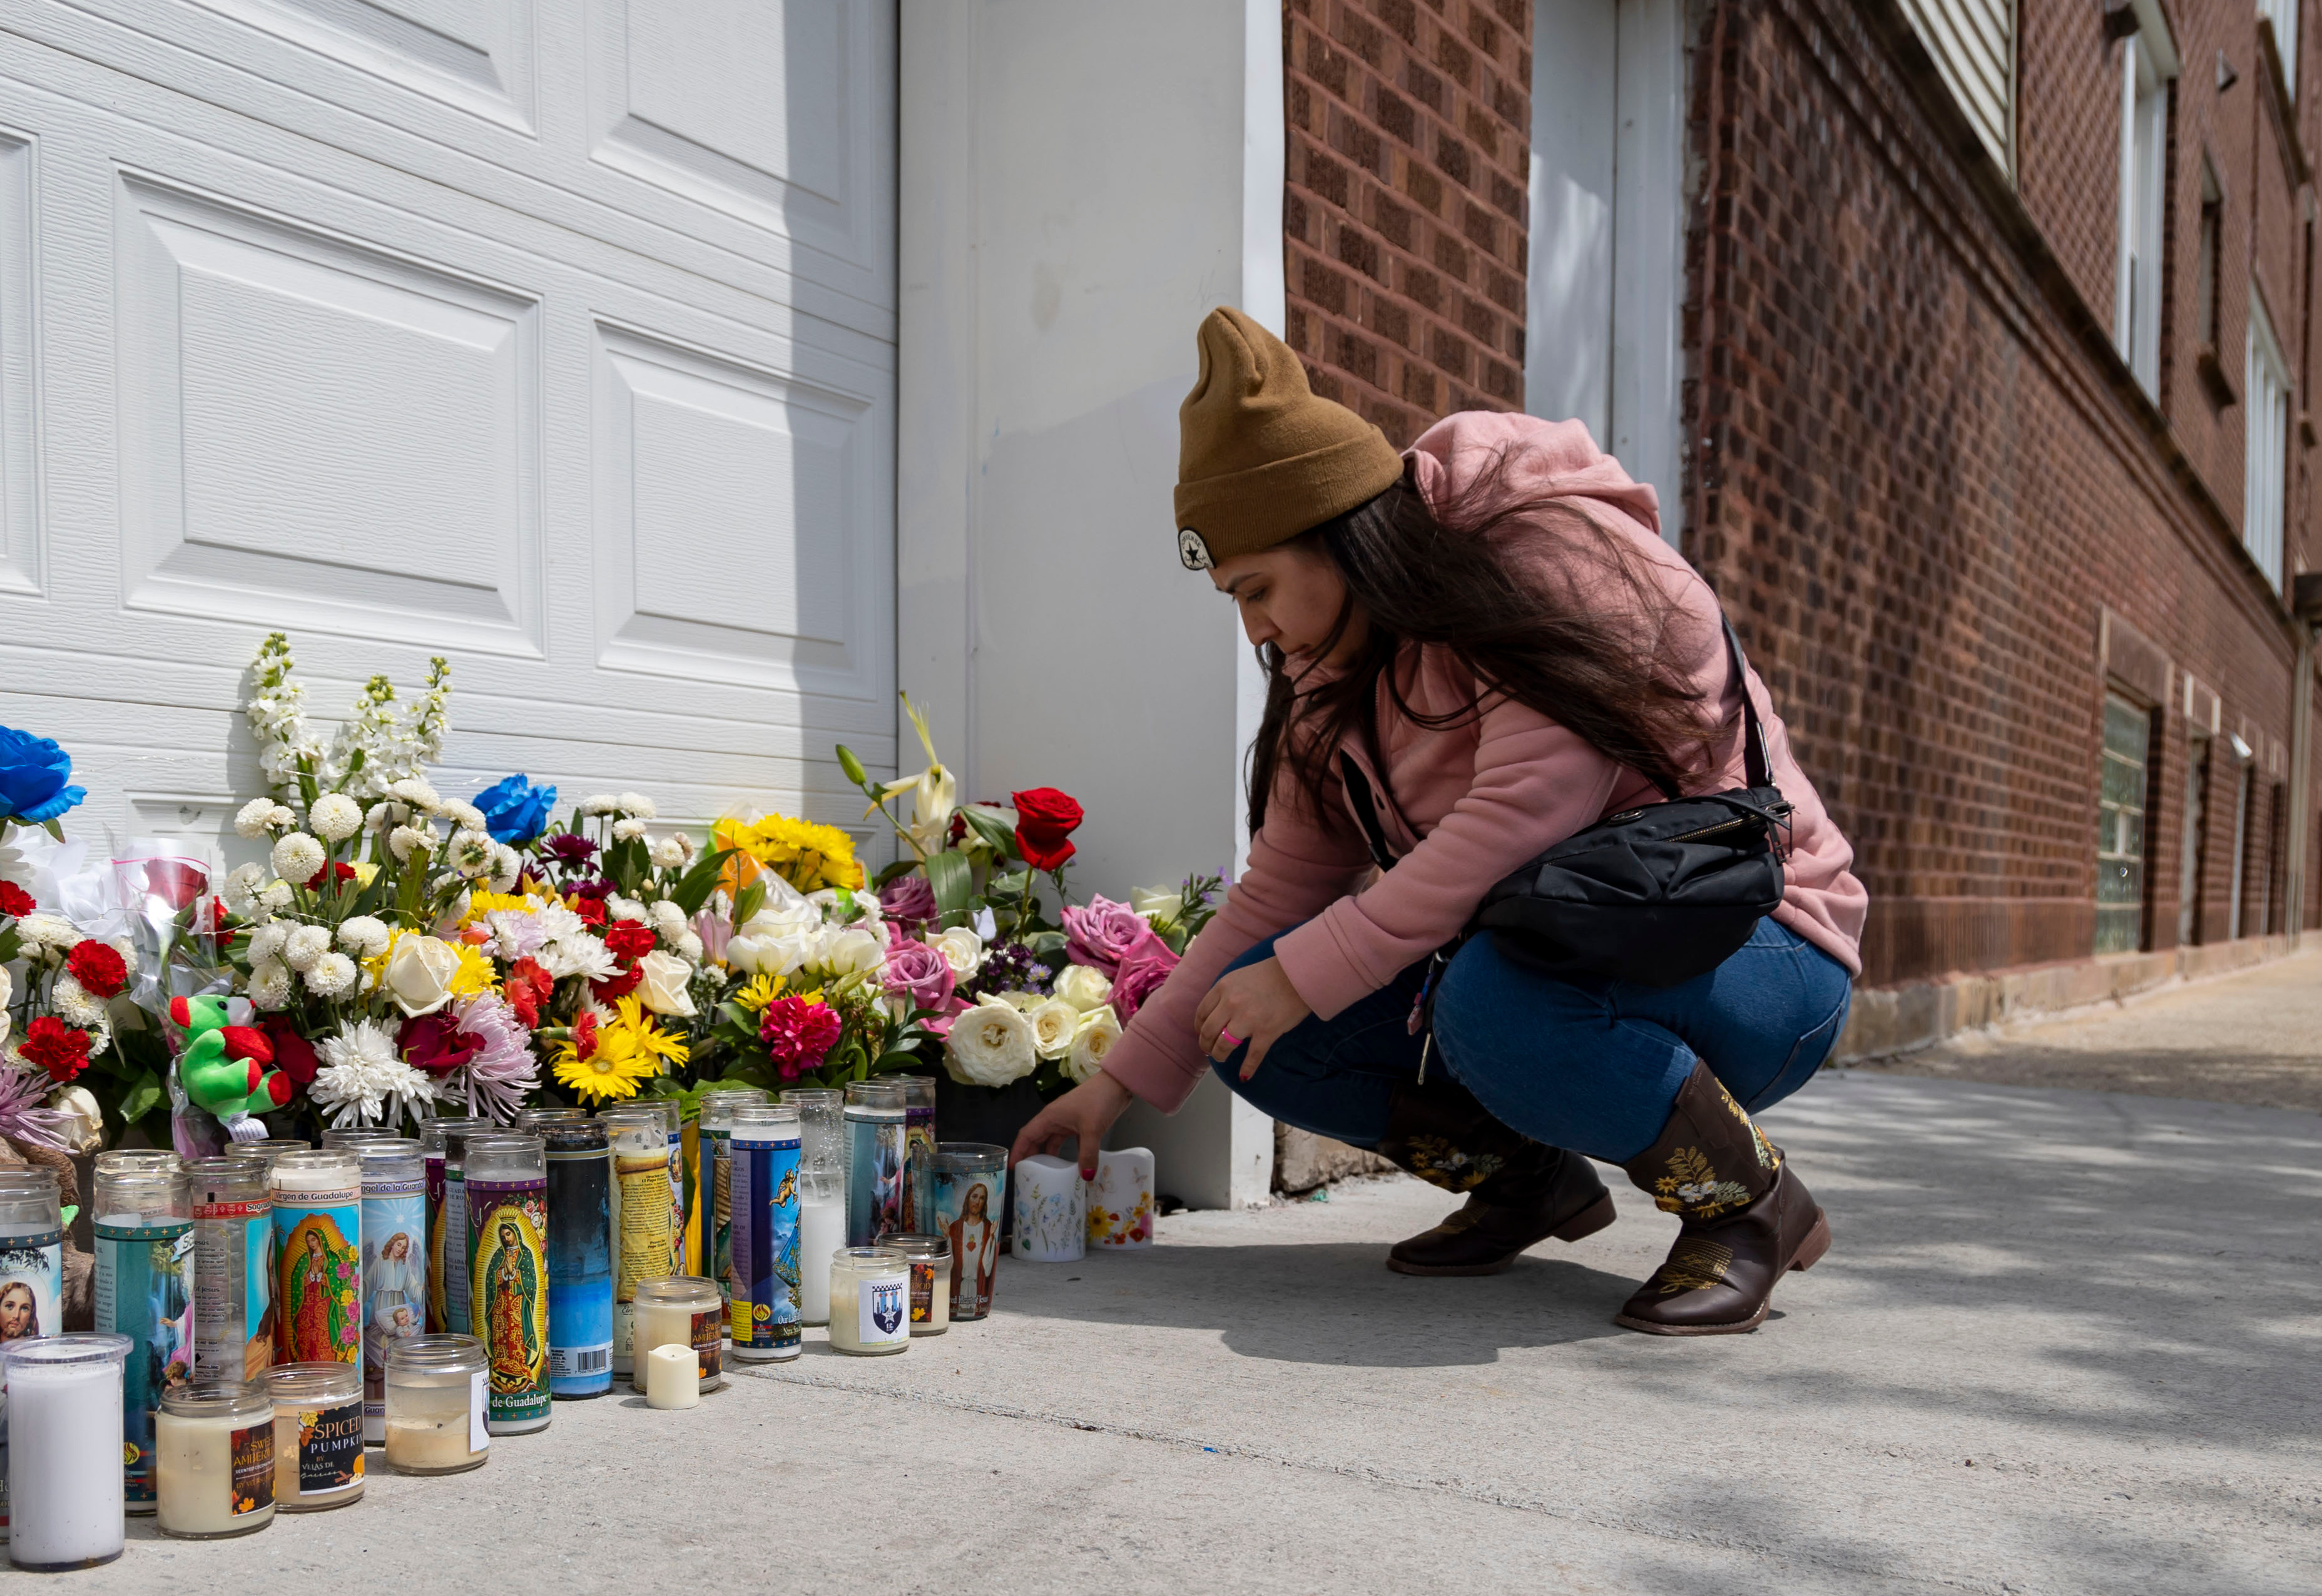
column 1051, row 1210
column 1120, row 1200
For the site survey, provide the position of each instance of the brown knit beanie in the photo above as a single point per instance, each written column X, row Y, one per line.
column 1260, row 459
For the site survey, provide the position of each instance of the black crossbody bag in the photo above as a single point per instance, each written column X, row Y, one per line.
column 1656, row 895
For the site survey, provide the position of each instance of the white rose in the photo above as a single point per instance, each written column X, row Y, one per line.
column 991, row 1045
column 297, row 857
column 420, row 973
column 256, row 817
column 852, row 953
column 1098, row 1030
column 363, row 936
column 335, row 816
column 266, row 943
column 86, row 1134
column 628, row 830
column 1053, row 1023
column 332, row 976
column 269, row 984
column 1084, row 987
column 663, row 990
column 305, row 944
column 961, row 949
column 776, row 940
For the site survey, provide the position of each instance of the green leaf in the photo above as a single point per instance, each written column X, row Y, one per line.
column 10, row 943
column 894, row 872
column 753, row 899
column 999, row 838
column 949, row 874
column 141, row 1099
column 853, row 767
column 1044, row 943
column 1011, row 885
column 54, row 828
column 695, row 886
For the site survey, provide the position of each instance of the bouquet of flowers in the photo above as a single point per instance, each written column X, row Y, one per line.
column 56, row 1020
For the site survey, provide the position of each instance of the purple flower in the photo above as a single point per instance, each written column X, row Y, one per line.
column 1102, row 934
column 568, row 849
column 909, row 899
column 1143, row 969
column 916, row 971
column 1009, row 967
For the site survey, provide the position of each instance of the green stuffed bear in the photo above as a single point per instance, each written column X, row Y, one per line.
column 226, row 1066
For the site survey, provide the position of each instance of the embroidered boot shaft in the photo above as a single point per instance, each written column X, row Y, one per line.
column 1519, row 1192
column 1747, row 1219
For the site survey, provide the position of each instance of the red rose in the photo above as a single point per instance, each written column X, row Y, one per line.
column 294, row 1056
column 435, row 1043
column 613, row 987
column 526, row 989
column 56, row 1047
column 1045, row 818
column 15, row 900
column 99, row 970
column 629, row 940
column 330, row 872
column 175, row 881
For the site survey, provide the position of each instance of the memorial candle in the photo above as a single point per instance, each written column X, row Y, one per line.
column 64, row 1450
column 870, row 1301
column 442, row 1145
column 822, row 1194
column 436, row 1405
column 318, row 1435
column 395, row 1263
column 682, row 1310
column 32, row 1273
column 874, row 1118
column 216, row 1460
column 579, row 1255
column 641, row 1218
column 317, row 1257
column 971, row 1189
column 233, row 1278
column 929, row 1258
column 711, row 1254
column 919, row 1152
column 762, row 1161
column 144, row 1225
column 506, row 1179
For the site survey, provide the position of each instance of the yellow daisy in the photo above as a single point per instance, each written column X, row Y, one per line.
column 761, row 990
column 607, row 1058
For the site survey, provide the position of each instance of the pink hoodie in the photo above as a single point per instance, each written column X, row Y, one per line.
column 1475, row 801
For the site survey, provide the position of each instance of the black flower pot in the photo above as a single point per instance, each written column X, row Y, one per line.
column 992, row 1114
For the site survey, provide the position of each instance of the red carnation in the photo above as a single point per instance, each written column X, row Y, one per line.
column 333, row 870
column 15, row 900
column 294, row 1056
column 1045, row 818
column 100, row 971
column 584, row 1037
column 526, row 989
column 630, row 940
column 613, row 987
column 589, row 910
column 56, row 1047
column 798, row 1034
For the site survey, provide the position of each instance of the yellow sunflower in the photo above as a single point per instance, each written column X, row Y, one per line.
column 606, row 1058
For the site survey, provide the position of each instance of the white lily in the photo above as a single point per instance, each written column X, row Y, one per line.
column 934, row 794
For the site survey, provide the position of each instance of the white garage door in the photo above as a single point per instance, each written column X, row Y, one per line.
column 554, row 336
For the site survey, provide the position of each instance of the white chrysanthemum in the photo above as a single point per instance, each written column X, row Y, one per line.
column 266, row 943
column 415, row 792
column 581, row 955
column 471, row 854
column 297, row 857
column 240, row 887
column 404, row 839
column 380, row 815
column 276, row 896
column 603, row 802
column 363, row 936
column 333, row 975
column 637, row 804
column 619, row 908
column 1053, row 1024
column 628, row 830
column 507, row 867
column 305, row 944
column 991, row 1045
column 1099, row 1029
column 75, row 1004
column 688, row 947
column 466, row 816
column 668, row 919
column 36, row 931
column 361, row 1080
column 335, row 816
column 673, row 852
column 257, row 816
column 269, row 984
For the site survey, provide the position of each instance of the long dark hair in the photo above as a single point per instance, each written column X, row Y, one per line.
column 1445, row 575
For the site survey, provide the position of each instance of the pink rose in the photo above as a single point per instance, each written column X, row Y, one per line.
column 1102, row 934
column 1143, row 968
column 908, row 898
column 916, row 971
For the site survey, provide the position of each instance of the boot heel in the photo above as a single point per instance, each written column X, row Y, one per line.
column 1817, row 1244
column 1591, row 1219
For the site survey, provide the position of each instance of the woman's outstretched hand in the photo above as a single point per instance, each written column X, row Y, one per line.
column 1255, row 1005
column 1087, row 1111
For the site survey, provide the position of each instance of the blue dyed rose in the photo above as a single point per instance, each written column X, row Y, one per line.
column 35, row 778
column 514, row 810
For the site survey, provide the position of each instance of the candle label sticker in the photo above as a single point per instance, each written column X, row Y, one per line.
column 718, row 1210
column 479, row 1401
column 234, row 1289
column 641, row 1189
column 761, row 1175
column 923, row 1291
column 508, row 1308
column 967, row 1212
column 31, row 1287
column 330, row 1448
column 318, row 1277
column 919, row 1166
column 709, row 1343
column 874, row 1180
column 144, row 1290
column 254, row 1467
column 395, row 1280
column 677, row 1201
column 580, row 1262
column 881, row 1305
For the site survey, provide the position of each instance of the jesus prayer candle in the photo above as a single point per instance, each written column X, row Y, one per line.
column 971, row 1192
column 216, row 1459
column 317, row 1257
column 64, row 1450
column 436, row 1405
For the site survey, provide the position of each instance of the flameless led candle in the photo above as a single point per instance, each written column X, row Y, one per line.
column 1051, row 1210
column 679, row 1310
column 673, row 1377
column 436, row 1405
column 215, row 1443
column 1120, row 1200
column 64, row 1450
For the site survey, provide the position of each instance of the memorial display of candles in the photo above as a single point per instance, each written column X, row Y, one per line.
column 580, row 1251
column 64, row 1450
column 144, row 1230
column 1051, row 1210
column 919, row 1151
column 682, row 1310
column 436, row 1405
column 31, row 1269
column 971, row 1184
column 1120, row 1200
column 505, row 1179
column 317, row 1256
column 319, row 1415
column 870, row 1301
column 822, row 1193
column 644, row 1217
column 394, row 1263
column 875, row 1116
column 710, row 1249
column 761, row 1165
column 442, row 1143
column 215, row 1465
column 233, row 1252
column 929, row 1258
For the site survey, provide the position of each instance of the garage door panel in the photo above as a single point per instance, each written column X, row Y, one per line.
column 20, row 533
column 474, row 54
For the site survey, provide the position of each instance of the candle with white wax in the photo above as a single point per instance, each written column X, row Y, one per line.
column 1051, row 1210
column 436, row 1405
column 64, row 1450
column 673, row 1377
column 318, row 1435
column 822, row 1231
column 680, row 1311
column 32, row 1273
column 870, row 1301
column 1120, row 1200
column 214, row 1444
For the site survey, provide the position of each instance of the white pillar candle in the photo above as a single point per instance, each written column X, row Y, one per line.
column 673, row 1377
column 64, row 1451
column 1120, row 1200
column 682, row 1310
column 822, row 1231
column 1051, row 1210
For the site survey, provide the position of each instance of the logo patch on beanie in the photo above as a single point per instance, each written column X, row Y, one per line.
column 1192, row 551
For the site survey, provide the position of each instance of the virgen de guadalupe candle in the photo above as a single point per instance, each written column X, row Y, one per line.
column 507, row 1189
column 317, row 1257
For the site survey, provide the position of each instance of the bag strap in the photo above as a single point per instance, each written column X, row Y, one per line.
column 1366, row 807
column 1756, row 764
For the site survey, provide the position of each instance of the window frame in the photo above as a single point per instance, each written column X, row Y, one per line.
column 2265, row 443
column 2115, row 818
column 2141, row 271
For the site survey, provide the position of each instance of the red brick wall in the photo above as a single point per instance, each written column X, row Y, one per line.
column 1409, row 125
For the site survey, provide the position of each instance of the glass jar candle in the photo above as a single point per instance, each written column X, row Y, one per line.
column 216, row 1464
column 355, row 1136
column 971, row 1189
column 144, row 1225
column 507, row 1183
column 642, row 1215
column 442, row 1144
column 870, row 1301
column 132, row 1158
column 929, row 1258
column 875, row 1120
column 64, row 1452
column 682, row 1310
column 267, row 1150
column 437, row 1404
column 395, row 1263
column 317, row 1256
column 822, row 1194
column 710, row 1249
column 919, row 1152
column 318, row 1435
column 762, row 1162
column 32, row 1268
column 580, row 1255
column 234, row 1285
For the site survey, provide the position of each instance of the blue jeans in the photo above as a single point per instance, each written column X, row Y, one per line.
column 1592, row 1065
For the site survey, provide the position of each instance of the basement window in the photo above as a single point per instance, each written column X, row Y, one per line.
column 2120, row 827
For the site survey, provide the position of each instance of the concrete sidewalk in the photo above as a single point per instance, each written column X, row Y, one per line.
column 2065, row 1342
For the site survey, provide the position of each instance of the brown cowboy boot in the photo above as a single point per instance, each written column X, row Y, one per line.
column 1519, row 1192
column 1747, row 1219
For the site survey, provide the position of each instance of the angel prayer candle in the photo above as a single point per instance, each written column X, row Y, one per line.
column 395, row 1263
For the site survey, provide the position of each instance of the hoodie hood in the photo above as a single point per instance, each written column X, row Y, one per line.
column 1545, row 460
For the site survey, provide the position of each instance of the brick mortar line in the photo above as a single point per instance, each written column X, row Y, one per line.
column 1367, row 1472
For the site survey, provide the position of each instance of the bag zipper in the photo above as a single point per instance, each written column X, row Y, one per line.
column 1711, row 831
